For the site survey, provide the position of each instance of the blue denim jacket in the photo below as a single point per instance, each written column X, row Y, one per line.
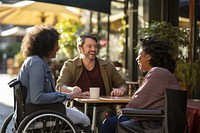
column 36, row 76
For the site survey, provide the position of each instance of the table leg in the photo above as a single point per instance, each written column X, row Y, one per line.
column 72, row 104
column 85, row 108
column 94, row 117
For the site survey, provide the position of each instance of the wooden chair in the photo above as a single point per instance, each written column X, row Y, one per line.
column 132, row 87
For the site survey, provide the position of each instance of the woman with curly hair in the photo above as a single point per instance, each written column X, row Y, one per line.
column 155, row 59
column 38, row 47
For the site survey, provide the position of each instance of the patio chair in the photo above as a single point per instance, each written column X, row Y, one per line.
column 173, row 116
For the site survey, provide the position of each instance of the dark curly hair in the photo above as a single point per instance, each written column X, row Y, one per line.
column 40, row 41
column 159, row 52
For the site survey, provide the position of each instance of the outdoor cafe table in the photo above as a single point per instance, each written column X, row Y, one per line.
column 102, row 99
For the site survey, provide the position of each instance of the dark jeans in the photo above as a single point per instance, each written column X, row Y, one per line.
column 110, row 124
column 130, row 125
column 101, row 111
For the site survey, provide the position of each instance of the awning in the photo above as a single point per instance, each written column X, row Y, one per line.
column 95, row 5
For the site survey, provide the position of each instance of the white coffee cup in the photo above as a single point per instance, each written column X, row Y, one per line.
column 94, row 92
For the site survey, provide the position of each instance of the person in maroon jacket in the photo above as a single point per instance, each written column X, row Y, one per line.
column 155, row 59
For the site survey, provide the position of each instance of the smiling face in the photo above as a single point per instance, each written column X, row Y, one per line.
column 143, row 60
column 89, row 49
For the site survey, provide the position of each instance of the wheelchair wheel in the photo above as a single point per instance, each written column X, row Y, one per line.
column 46, row 122
column 8, row 124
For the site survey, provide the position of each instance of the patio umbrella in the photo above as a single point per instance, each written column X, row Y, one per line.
column 32, row 13
column 5, row 7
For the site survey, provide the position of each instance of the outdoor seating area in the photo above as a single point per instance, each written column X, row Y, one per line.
column 142, row 57
column 190, row 116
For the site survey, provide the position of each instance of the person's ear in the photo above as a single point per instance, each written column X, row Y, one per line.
column 148, row 57
column 80, row 49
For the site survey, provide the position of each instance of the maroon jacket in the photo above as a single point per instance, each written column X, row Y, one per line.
column 150, row 94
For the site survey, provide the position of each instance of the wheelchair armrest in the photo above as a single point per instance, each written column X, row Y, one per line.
column 13, row 83
column 142, row 112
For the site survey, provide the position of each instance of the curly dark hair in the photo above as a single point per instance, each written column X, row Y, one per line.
column 81, row 39
column 40, row 41
column 159, row 52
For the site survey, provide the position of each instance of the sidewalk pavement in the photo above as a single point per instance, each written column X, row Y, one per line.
column 6, row 97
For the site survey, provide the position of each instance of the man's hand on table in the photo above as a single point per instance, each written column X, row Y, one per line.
column 117, row 92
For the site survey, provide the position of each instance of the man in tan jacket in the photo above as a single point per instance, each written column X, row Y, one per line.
column 88, row 70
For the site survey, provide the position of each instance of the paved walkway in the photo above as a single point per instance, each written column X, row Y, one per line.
column 6, row 97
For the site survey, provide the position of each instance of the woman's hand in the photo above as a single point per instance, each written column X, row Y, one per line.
column 76, row 89
column 79, row 95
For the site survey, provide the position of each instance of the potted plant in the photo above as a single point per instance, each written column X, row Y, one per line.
column 177, row 37
column 68, row 30
column 68, row 34
column 186, row 71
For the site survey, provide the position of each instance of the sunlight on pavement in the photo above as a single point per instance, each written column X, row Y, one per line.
column 6, row 93
column 6, row 98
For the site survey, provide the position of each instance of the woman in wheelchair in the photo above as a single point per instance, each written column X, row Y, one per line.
column 155, row 59
column 38, row 47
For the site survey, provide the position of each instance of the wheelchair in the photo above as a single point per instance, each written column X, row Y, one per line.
column 32, row 118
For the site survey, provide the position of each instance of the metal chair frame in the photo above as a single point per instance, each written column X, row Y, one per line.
column 174, row 110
